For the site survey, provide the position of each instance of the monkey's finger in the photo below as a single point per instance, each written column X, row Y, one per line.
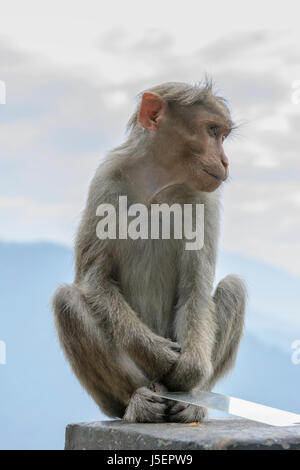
column 155, row 386
column 150, row 397
column 176, row 347
column 158, row 410
column 155, row 399
column 176, row 408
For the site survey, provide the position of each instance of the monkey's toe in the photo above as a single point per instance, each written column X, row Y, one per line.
column 145, row 407
column 185, row 413
column 157, row 387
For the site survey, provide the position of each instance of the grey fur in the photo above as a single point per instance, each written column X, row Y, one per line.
column 142, row 311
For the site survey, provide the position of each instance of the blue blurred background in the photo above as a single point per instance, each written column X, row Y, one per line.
column 71, row 72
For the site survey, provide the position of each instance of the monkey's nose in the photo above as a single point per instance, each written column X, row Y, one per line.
column 225, row 162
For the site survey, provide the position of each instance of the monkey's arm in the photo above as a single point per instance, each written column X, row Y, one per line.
column 195, row 326
column 155, row 354
column 94, row 259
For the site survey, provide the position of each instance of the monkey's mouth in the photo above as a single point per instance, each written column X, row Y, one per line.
column 218, row 178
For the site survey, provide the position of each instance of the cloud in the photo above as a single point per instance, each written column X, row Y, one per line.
column 11, row 56
column 154, row 42
column 60, row 121
column 235, row 46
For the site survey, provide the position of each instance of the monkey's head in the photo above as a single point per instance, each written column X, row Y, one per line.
column 187, row 135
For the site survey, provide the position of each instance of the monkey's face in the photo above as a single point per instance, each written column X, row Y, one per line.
column 188, row 140
column 207, row 164
column 191, row 147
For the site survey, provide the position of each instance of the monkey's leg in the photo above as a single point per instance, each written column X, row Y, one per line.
column 114, row 381
column 109, row 377
column 229, row 299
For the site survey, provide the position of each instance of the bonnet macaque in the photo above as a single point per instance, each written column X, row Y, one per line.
column 141, row 315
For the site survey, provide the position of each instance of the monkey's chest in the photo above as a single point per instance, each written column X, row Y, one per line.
column 148, row 280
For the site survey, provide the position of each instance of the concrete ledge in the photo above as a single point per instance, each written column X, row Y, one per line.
column 218, row 434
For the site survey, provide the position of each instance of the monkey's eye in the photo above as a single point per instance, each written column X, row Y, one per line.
column 214, row 130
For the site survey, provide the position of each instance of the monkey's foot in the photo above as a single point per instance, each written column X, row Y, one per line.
column 145, row 407
column 185, row 413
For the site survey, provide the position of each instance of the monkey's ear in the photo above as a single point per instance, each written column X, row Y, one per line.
column 151, row 110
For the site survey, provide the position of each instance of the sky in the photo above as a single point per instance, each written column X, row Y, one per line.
column 72, row 70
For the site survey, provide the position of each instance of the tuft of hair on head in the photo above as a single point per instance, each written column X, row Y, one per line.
column 184, row 94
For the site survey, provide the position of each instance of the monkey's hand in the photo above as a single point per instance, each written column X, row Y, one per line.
column 190, row 371
column 161, row 358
